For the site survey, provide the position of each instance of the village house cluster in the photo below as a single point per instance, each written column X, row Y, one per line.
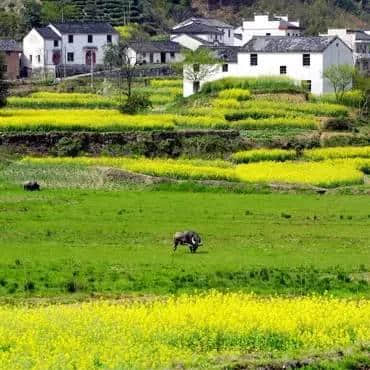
column 262, row 46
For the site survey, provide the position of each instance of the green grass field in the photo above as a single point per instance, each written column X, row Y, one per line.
column 83, row 241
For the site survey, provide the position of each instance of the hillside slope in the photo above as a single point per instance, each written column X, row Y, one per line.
column 159, row 15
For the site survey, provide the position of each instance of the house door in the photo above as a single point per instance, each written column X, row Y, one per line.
column 163, row 58
column 90, row 53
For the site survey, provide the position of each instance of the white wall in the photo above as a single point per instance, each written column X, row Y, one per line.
column 33, row 44
column 261, row 26
column 140, row 57
column 269, row 65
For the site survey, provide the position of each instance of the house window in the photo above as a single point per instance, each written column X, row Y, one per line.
column 109, row 39
column 172, row 54
column 70, row 39
column 229, row 33
column 366, row 65
column 268, row 34
column 196, row 86
column 39, row 59
column 56, row 43
column 89, row 39
column 196, row 68
column 30, row 58
column 225, row 68
column 306, row 59
column 283, row 70
column 151, row 58
column 254, row 59
column 307, row 85
column 5, row 68
column 70, row 57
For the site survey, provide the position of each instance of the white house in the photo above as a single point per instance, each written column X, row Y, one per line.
column 67, row 44
column 359, row 42
column 303, row 59
column 263, row 25
column 195, row 32
column 157, row 52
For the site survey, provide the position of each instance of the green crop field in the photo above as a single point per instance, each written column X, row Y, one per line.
column 84, row 241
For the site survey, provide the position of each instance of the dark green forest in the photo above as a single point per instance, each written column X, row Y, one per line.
column 158, row 16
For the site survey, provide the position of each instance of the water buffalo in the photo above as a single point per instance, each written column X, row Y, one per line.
column 31, row 186
column 190, row 238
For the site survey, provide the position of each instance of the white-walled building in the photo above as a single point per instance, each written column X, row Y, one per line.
column 195, row 32
column 155, row 52
column 69, row 44
column 303, row 59
column 359, row 42
column 263, row 25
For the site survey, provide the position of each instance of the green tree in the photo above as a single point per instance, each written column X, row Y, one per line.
column 31, row 15
column 58, row 11
column 198, row 65
column 341, row 77
column 4, row 87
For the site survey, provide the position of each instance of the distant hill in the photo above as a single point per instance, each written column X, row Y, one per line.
column 159, row 15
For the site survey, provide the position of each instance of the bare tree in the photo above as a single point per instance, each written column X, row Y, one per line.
column 340, row 76
column 119, row 57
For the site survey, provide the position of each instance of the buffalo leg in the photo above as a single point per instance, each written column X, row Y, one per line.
column 175, row 245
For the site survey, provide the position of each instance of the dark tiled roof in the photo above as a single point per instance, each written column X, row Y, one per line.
column 156, row 46
column 238, row 36
column 226, row 53
column 282, row 44
column 48, row 34
column 10, row 45
column 360, row 35
column 197, row 28
column 207, row 21
column 202, row 41
column 88, row 27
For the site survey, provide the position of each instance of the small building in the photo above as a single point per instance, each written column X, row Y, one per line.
column 73, row 45
column 203, row 31
column 359, row 42
column 155, row 52
column 263, row 25
column 303, row 59
column 11, row 52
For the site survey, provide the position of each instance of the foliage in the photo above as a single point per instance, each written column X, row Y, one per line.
column 160, row 335
column 260, row 84
column 131, row 31
column 135, row 103
column 199, row 65
column 259, row 155
column 341, row 77
column 328, row 173
column 337, row 152
column 166, row 83
column 42, row 100
column 58, row 11
column 81, row 120
column 351, row 98
column 238, row 94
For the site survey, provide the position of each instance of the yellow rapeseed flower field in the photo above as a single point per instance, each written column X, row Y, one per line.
column 328, row 173
column 189, row 331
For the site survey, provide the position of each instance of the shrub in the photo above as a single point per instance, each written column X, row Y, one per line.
column 351, row 98
column 135, row 103
column 260, row 84
column 166, row 83
column 226, row 103
column 68, row 147
column 338, row 124
column 238, row 94
column 259, row 155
